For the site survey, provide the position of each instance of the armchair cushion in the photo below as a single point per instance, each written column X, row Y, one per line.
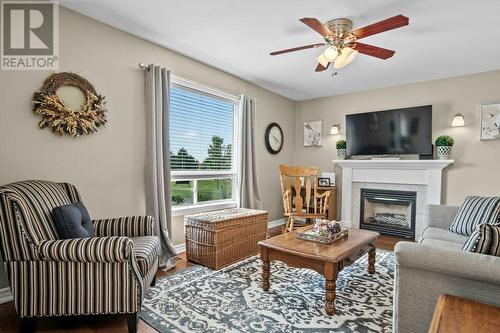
column 146, row 250
column 73, row 221
column 90, row 249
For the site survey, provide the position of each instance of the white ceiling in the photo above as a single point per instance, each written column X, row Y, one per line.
column 445, row 38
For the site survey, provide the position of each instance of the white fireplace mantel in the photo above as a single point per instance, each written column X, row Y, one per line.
column 408, row 172
column 394, row 164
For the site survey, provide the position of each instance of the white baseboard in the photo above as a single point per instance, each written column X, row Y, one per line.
column 5, row 295
column 181, row 248
column 276, row 223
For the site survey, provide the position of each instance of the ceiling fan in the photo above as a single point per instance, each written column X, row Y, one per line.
column 342, row 41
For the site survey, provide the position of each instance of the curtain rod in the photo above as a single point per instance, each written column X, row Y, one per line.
column 189, row 83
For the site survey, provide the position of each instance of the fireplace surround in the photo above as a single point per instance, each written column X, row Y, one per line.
column 421, row 176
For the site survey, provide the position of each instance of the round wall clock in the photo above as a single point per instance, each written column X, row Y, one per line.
column 274, row 138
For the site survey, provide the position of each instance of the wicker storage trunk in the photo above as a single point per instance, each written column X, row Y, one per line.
column 220, row 238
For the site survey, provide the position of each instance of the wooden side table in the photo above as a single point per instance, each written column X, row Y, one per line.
column 457, row 315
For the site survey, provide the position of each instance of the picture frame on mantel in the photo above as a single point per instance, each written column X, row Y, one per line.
column 313, row 133
column 323, row 182
column 490, row 121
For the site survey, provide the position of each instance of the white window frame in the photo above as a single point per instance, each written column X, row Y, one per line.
column 195, row 176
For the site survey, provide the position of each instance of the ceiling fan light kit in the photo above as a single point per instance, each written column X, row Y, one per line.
column 322, row 60
column 342, row 41
column 347, row 55
column 331, row 53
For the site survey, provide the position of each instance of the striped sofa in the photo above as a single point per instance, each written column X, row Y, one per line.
column 106, row 274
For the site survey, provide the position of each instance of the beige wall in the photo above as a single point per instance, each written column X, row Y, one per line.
column 108, row 167
column 476, row 162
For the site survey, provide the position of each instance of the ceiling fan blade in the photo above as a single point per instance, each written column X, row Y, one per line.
column 321, row 68
column 298, row 48
column 374, row 51
column 385, row 25
column 316, row 25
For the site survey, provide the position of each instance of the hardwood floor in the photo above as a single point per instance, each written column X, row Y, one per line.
column 112, row 324
column 388, row 242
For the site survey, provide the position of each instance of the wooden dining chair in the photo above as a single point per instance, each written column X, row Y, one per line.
column 299, row 189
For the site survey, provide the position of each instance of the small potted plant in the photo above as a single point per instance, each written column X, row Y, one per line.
column 341, row 149
column 443, row 146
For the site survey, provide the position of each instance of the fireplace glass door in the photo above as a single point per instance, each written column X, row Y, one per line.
column 388, row 212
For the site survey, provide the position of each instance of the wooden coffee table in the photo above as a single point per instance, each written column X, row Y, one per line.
column 327, row 260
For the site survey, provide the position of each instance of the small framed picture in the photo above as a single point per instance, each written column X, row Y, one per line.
column 324, row 182
column 490, row 121
column 312, row 133
column 330, row 175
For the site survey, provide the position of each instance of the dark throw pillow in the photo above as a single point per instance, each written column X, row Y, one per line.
column 73, row 221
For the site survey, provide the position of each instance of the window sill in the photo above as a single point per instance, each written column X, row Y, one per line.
column 180, row 211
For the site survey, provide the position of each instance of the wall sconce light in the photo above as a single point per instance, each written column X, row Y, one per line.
column 458, row 120
column 335, row 130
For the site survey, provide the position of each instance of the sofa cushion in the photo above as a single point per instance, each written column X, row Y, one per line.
column 485, row 239
column 73, row 221
column 147, row 250
column 442, row 234
column 475, row 211
column 441, row 243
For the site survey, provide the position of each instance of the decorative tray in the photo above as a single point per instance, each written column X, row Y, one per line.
column 310, row 235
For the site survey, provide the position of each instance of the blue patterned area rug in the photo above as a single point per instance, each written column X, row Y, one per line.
column 199, row 299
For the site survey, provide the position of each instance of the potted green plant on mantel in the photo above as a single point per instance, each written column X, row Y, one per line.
column 444, row 143
column 341, row 149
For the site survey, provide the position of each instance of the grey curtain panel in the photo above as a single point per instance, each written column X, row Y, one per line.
column 158, row 200
column 249, row 195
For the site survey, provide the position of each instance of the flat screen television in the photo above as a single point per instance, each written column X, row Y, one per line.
column 390, row 132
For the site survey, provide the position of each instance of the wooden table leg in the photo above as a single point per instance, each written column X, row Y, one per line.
column 371, row 260
column 266, row 268
column 330, row 273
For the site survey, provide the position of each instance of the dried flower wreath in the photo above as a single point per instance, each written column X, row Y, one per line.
column 61, row 118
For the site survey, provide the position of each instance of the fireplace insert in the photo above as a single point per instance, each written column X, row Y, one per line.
column 388, row 212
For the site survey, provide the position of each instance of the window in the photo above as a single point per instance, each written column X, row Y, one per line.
column 203, row 147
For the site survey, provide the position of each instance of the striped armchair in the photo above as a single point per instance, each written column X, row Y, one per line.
column 106, row 274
